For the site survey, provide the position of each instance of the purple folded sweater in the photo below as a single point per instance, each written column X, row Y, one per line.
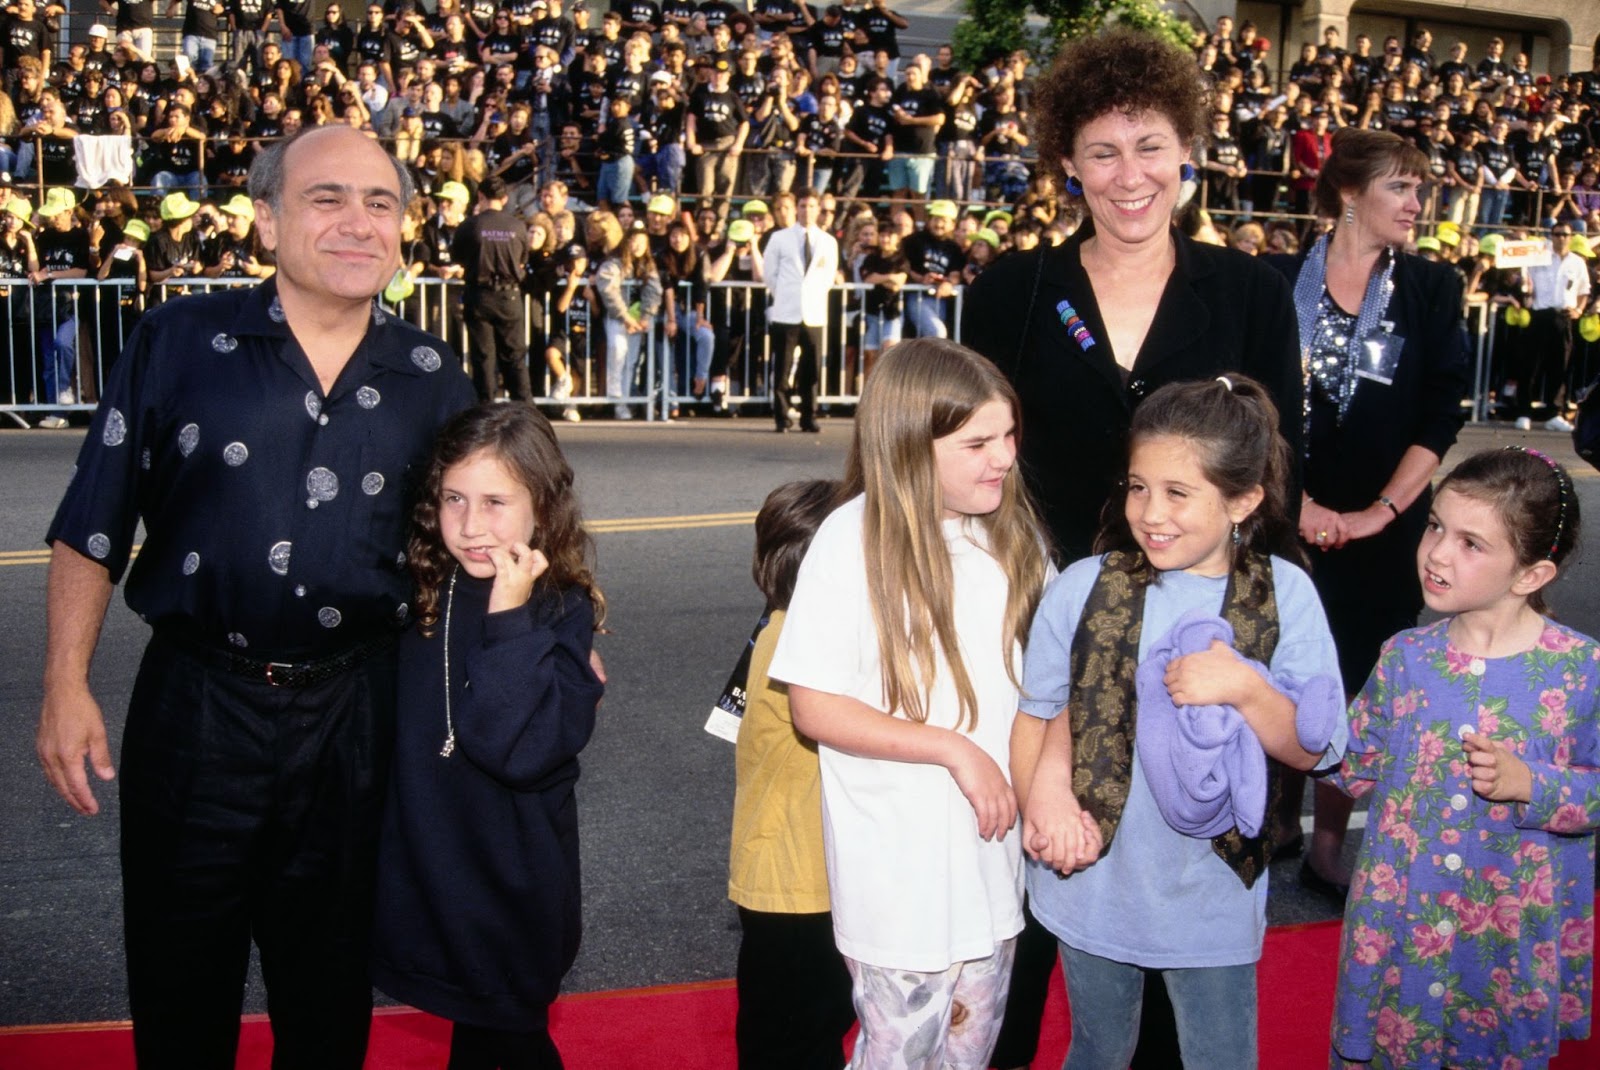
column 1204, row 764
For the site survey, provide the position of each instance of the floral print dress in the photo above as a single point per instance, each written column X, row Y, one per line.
column 1469, row 931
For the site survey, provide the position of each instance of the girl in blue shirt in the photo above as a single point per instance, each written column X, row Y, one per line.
column 1129, row 869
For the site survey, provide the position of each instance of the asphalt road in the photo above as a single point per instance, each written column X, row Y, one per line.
column 656, row 793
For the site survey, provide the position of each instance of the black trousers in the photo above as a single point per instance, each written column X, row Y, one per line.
column 1546, row 349
column 250, row 812
column 796, row 358
column 794, row 993
column 473, row 1047
column 496, row 335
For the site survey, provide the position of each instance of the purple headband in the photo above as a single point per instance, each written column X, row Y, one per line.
column 1561, row 485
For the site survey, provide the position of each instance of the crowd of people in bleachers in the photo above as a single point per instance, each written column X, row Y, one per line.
column 686, row 118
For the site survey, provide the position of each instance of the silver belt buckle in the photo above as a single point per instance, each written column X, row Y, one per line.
column 276, row 665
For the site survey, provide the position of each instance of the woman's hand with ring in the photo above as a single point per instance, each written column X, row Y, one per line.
column 1321, row 527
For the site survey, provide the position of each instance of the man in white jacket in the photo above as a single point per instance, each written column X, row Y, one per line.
column 800, row 265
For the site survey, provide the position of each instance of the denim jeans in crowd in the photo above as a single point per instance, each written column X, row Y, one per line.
column 1215, row 1007
column 693, row 348
column 615, row 185
column 622, row 359
column 922, row 312
column 202, row 52
column 665, row 167
column 58, row 357
column 1492, row 206
column 193, row 181
column 299, row 48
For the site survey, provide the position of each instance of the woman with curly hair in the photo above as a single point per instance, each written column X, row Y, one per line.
column 1089, row 329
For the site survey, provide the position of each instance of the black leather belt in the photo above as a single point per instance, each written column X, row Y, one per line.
column 279, row 673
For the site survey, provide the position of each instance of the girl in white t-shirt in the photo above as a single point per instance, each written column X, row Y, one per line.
column 902, row 651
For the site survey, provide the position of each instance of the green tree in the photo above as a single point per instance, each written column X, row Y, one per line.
column 995, row 26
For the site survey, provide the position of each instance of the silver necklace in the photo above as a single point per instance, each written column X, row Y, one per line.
column 449, row 725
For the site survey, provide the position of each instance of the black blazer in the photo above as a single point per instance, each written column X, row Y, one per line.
column 1221, row 311
column 1346, row 465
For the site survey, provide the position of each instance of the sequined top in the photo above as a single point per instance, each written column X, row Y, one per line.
column 1328, row 360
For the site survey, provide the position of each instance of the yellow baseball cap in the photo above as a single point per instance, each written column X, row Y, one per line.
column 176, row 206
column 453, row 191
column 137, row 229
column 19, row 207
column 943, row 209
column 661, row 204
column 240, row 205
column 56, row 201
column 1579, row 244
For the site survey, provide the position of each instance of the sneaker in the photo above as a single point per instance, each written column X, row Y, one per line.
column 66, row 397
column 1558, row 423
column 1524, row 424
column 622, row 412
column 563, row 387
column 53, row 423
column 570, row 414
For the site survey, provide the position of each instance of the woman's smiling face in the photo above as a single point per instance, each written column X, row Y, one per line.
column 1129, row 166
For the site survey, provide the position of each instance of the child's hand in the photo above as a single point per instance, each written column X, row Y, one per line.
column 985, row 787
column 1213, row 677
column 1497, row 774
column 1066, row 838
column 514, row 572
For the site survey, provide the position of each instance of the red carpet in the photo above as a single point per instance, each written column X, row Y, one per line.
column 690, row 1027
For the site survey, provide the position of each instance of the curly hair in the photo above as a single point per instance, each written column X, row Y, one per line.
column 1118, row 69
column 520, row 437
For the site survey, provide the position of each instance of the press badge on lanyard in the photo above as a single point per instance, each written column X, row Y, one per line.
column 1380, row 355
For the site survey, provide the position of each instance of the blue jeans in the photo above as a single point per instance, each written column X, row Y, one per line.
column 616, row 181
column 1215, row 1007
column 622, row 360
column 202, row 52
column 167, row 181
column 922, row 312
column 299, row 48
column 666, row 167
column 1492, row 206
column 58, row 354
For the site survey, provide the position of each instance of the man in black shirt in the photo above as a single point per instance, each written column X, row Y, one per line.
column 248, row 21
column 918, row 115
column 492, row 249
column 936, row 262
column 265, row 437
column 715, row 134
column 200, row 33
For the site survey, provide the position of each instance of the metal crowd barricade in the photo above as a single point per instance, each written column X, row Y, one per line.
column 436, row 306
column 738, row 316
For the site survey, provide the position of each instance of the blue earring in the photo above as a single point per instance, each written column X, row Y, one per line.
column 1186, row 172
column 1074, row 187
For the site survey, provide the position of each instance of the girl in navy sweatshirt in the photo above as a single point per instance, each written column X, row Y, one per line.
column 478, row 914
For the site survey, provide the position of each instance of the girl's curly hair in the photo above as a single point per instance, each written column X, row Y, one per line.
column 520, row 437
column 1117, row 69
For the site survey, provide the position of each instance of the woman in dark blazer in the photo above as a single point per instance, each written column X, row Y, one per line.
column 1089, row 329
column 1386, row 355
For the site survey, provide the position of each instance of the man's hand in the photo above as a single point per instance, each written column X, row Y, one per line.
column 71, row 728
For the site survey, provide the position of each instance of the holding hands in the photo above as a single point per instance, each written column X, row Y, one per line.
column 515, row 570
column 1061, row 834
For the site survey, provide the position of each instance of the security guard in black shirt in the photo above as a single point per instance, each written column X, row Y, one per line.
column 492, row 249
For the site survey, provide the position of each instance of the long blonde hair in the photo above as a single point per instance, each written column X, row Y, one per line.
column 920, row 391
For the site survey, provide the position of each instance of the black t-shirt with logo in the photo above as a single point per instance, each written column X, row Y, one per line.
column 554, row 33
column 928, row 255
column 716, row 115
column 881, row 32
column 871, row 124
column 881, row 300
column 63, row 250
column 22, row 38
column 1468, row 163
column 916, row 138
column 828, row 41
column 822, row 136
column 135, row 14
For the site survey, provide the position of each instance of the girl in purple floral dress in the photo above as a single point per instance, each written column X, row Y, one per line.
column 1469, row 932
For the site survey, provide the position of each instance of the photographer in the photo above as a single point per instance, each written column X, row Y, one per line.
column 233, row 250
column 174, row 250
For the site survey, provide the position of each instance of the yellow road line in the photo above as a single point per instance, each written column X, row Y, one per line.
column 616, row 526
